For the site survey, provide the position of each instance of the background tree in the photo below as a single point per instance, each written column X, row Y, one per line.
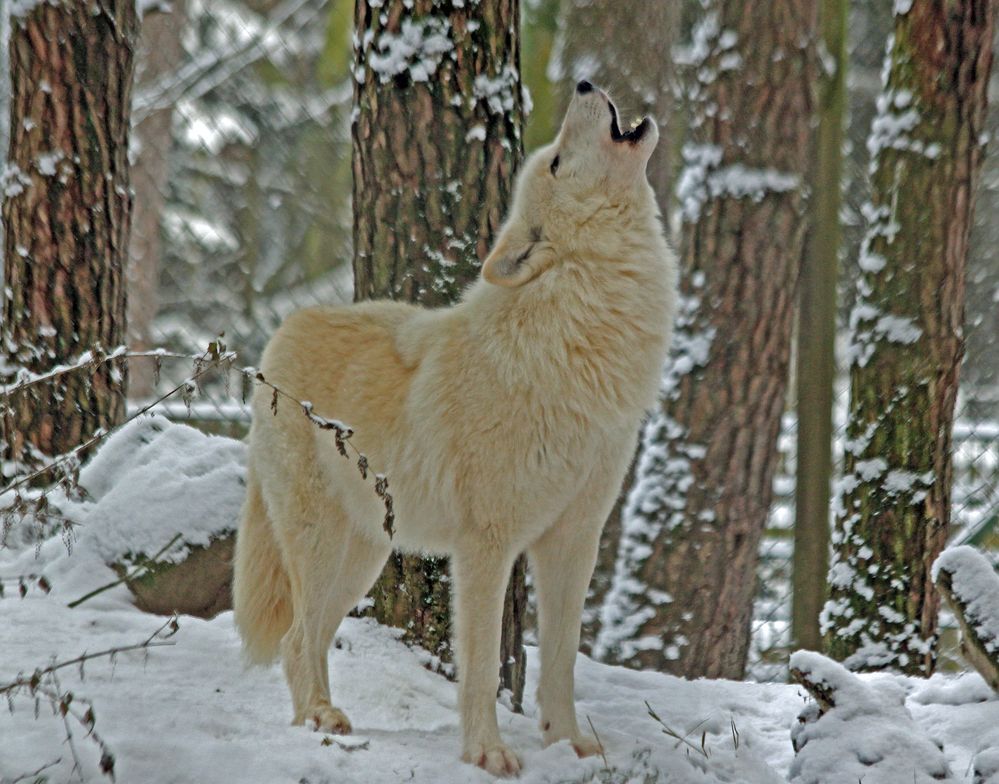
column 598, row 40
column 160, row 56
column 683, row 588
column 66, row 217
column 437, row 137
column 907, row 341
column 816, row 343
column 257, row 218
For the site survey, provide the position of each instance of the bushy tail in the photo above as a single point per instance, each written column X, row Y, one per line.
column 261, row 593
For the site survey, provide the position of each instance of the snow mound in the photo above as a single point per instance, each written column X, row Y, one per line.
column 860, row 731
column 987, row 767
column 975, row 585
column 153, row 479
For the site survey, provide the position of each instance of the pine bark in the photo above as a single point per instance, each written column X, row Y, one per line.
column 816, row 343
column 907, row 340
column 686, row 571
column 66, row 218
column 437, row 137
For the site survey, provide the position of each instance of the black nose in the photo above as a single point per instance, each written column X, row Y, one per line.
column 584, row 87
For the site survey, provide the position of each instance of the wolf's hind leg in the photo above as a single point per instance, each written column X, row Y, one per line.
column 331, row 570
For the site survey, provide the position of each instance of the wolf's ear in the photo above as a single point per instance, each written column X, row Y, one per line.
column 512, row 264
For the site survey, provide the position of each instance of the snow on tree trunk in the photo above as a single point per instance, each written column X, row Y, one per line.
column 907, row 342
column 859, row 731
column 66, row 212
column 598, row 40
column 684, row 581
column 437, row 133
column 971, row 586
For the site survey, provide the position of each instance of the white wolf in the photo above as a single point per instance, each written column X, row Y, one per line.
column 505, row 423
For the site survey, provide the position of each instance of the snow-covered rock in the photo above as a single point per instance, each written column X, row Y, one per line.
column 860, row 730
column 154, row 479
column 153, row 489
column 154, row 485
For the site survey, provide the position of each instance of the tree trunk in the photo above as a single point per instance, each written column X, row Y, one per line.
column 926, row 145
column 160, row 55
column 684, row 583
column 599, row 41
column 66, row 215
column 437, row 137
column 816, row 356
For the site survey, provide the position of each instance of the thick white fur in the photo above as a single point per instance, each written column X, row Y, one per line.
column 505, row 424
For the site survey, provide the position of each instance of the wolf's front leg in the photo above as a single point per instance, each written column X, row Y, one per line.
column 562, row 562
column 480, row 584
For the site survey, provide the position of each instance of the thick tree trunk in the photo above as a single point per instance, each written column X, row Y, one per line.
column 160, row 54
column 816, row 356
column 907, row 336
column 437, row 137
column 66, row 215
column 686, row 573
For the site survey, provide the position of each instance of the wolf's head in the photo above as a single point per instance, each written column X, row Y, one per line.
column 593, row 170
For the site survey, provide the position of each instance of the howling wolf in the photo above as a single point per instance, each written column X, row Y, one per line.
column 506, row 423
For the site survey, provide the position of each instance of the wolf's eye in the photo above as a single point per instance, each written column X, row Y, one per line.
column 554, row 166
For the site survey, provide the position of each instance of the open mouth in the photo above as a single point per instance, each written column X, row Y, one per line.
column 633, row 135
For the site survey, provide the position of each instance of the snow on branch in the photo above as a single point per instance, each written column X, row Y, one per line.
column 91, row 359
column 341, row 437
column 215, row 356
column 21, row 501
column 858, row 730
column 970, row 585
column 43, row 685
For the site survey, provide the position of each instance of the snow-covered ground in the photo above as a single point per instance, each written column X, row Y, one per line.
column 191, row 712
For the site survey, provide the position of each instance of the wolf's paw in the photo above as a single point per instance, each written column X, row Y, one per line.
column 585, row 746
column 497, row 759
column 329, row 719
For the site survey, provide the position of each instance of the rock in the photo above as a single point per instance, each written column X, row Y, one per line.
column 199, row 585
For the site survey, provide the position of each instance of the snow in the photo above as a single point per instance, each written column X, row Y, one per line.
column 13, row 180
column 149, row 481
column 704, row 179
column 21, row 8
column 868, row 735
column 498, row 92
column 419, row 47
column 192, row 712
column 975, row 584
